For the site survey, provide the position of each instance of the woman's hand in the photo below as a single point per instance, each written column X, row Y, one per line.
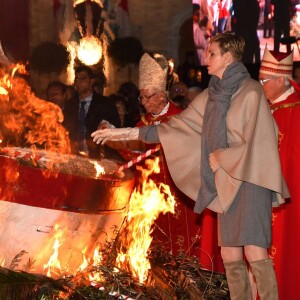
column 115, row 134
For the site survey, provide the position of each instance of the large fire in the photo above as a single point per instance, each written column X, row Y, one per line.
column 26, row 120
column 29, row 122
column 146, row 203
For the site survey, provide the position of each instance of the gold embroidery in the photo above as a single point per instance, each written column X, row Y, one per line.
column 180, row 240
column 274, row 216
column 272, row 252
column 195, row 238
column 177, row 213
column 153, row 120
column 148, row 123
column 280, row 138
column 288, row 105
column 180, row 243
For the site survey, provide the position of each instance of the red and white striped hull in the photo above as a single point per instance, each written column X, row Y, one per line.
column 84, row 210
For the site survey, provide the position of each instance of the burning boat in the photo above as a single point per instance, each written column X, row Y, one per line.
column 71, row 204
column 50, row 199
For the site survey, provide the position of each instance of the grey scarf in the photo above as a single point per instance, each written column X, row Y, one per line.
column 214, row 131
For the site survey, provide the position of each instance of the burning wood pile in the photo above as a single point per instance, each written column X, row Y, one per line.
column 170, row 278
column 125, row 267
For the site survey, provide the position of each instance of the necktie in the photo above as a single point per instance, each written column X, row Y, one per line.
column 81, row 119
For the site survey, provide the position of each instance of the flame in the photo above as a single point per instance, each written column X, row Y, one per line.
column 145, row 205
column 53, row 262
column 27, row 120
column 99, row 169
column 147, row 202
column 20, row 68
column 6, row 86
column 97, row 259
column 3, row 91
column 94, row 276
column 2, row 262
column 85, row 262
column 89, row 50
column 53, row 265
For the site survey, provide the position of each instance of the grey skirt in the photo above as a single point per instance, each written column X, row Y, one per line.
column 248, row 221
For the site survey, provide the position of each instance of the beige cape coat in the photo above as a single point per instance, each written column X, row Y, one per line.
column 252, row 155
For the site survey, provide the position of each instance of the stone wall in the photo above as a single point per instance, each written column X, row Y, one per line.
column 41, row 22
column 157, row 23
column 161, row 25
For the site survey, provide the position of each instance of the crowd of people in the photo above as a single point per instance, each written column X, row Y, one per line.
column 120, row 109
column 279, row 19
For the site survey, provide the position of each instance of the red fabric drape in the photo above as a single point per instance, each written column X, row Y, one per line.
column 14, row 28
column 286, row 220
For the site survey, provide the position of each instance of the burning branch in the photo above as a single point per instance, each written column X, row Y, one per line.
column 180, row 278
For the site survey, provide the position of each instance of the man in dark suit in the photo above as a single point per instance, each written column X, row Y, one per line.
column 86, row 112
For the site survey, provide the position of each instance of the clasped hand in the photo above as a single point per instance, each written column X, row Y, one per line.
column 214, row 165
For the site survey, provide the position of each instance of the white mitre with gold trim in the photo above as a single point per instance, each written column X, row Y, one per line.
column 277, row 63
column 153, row 73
